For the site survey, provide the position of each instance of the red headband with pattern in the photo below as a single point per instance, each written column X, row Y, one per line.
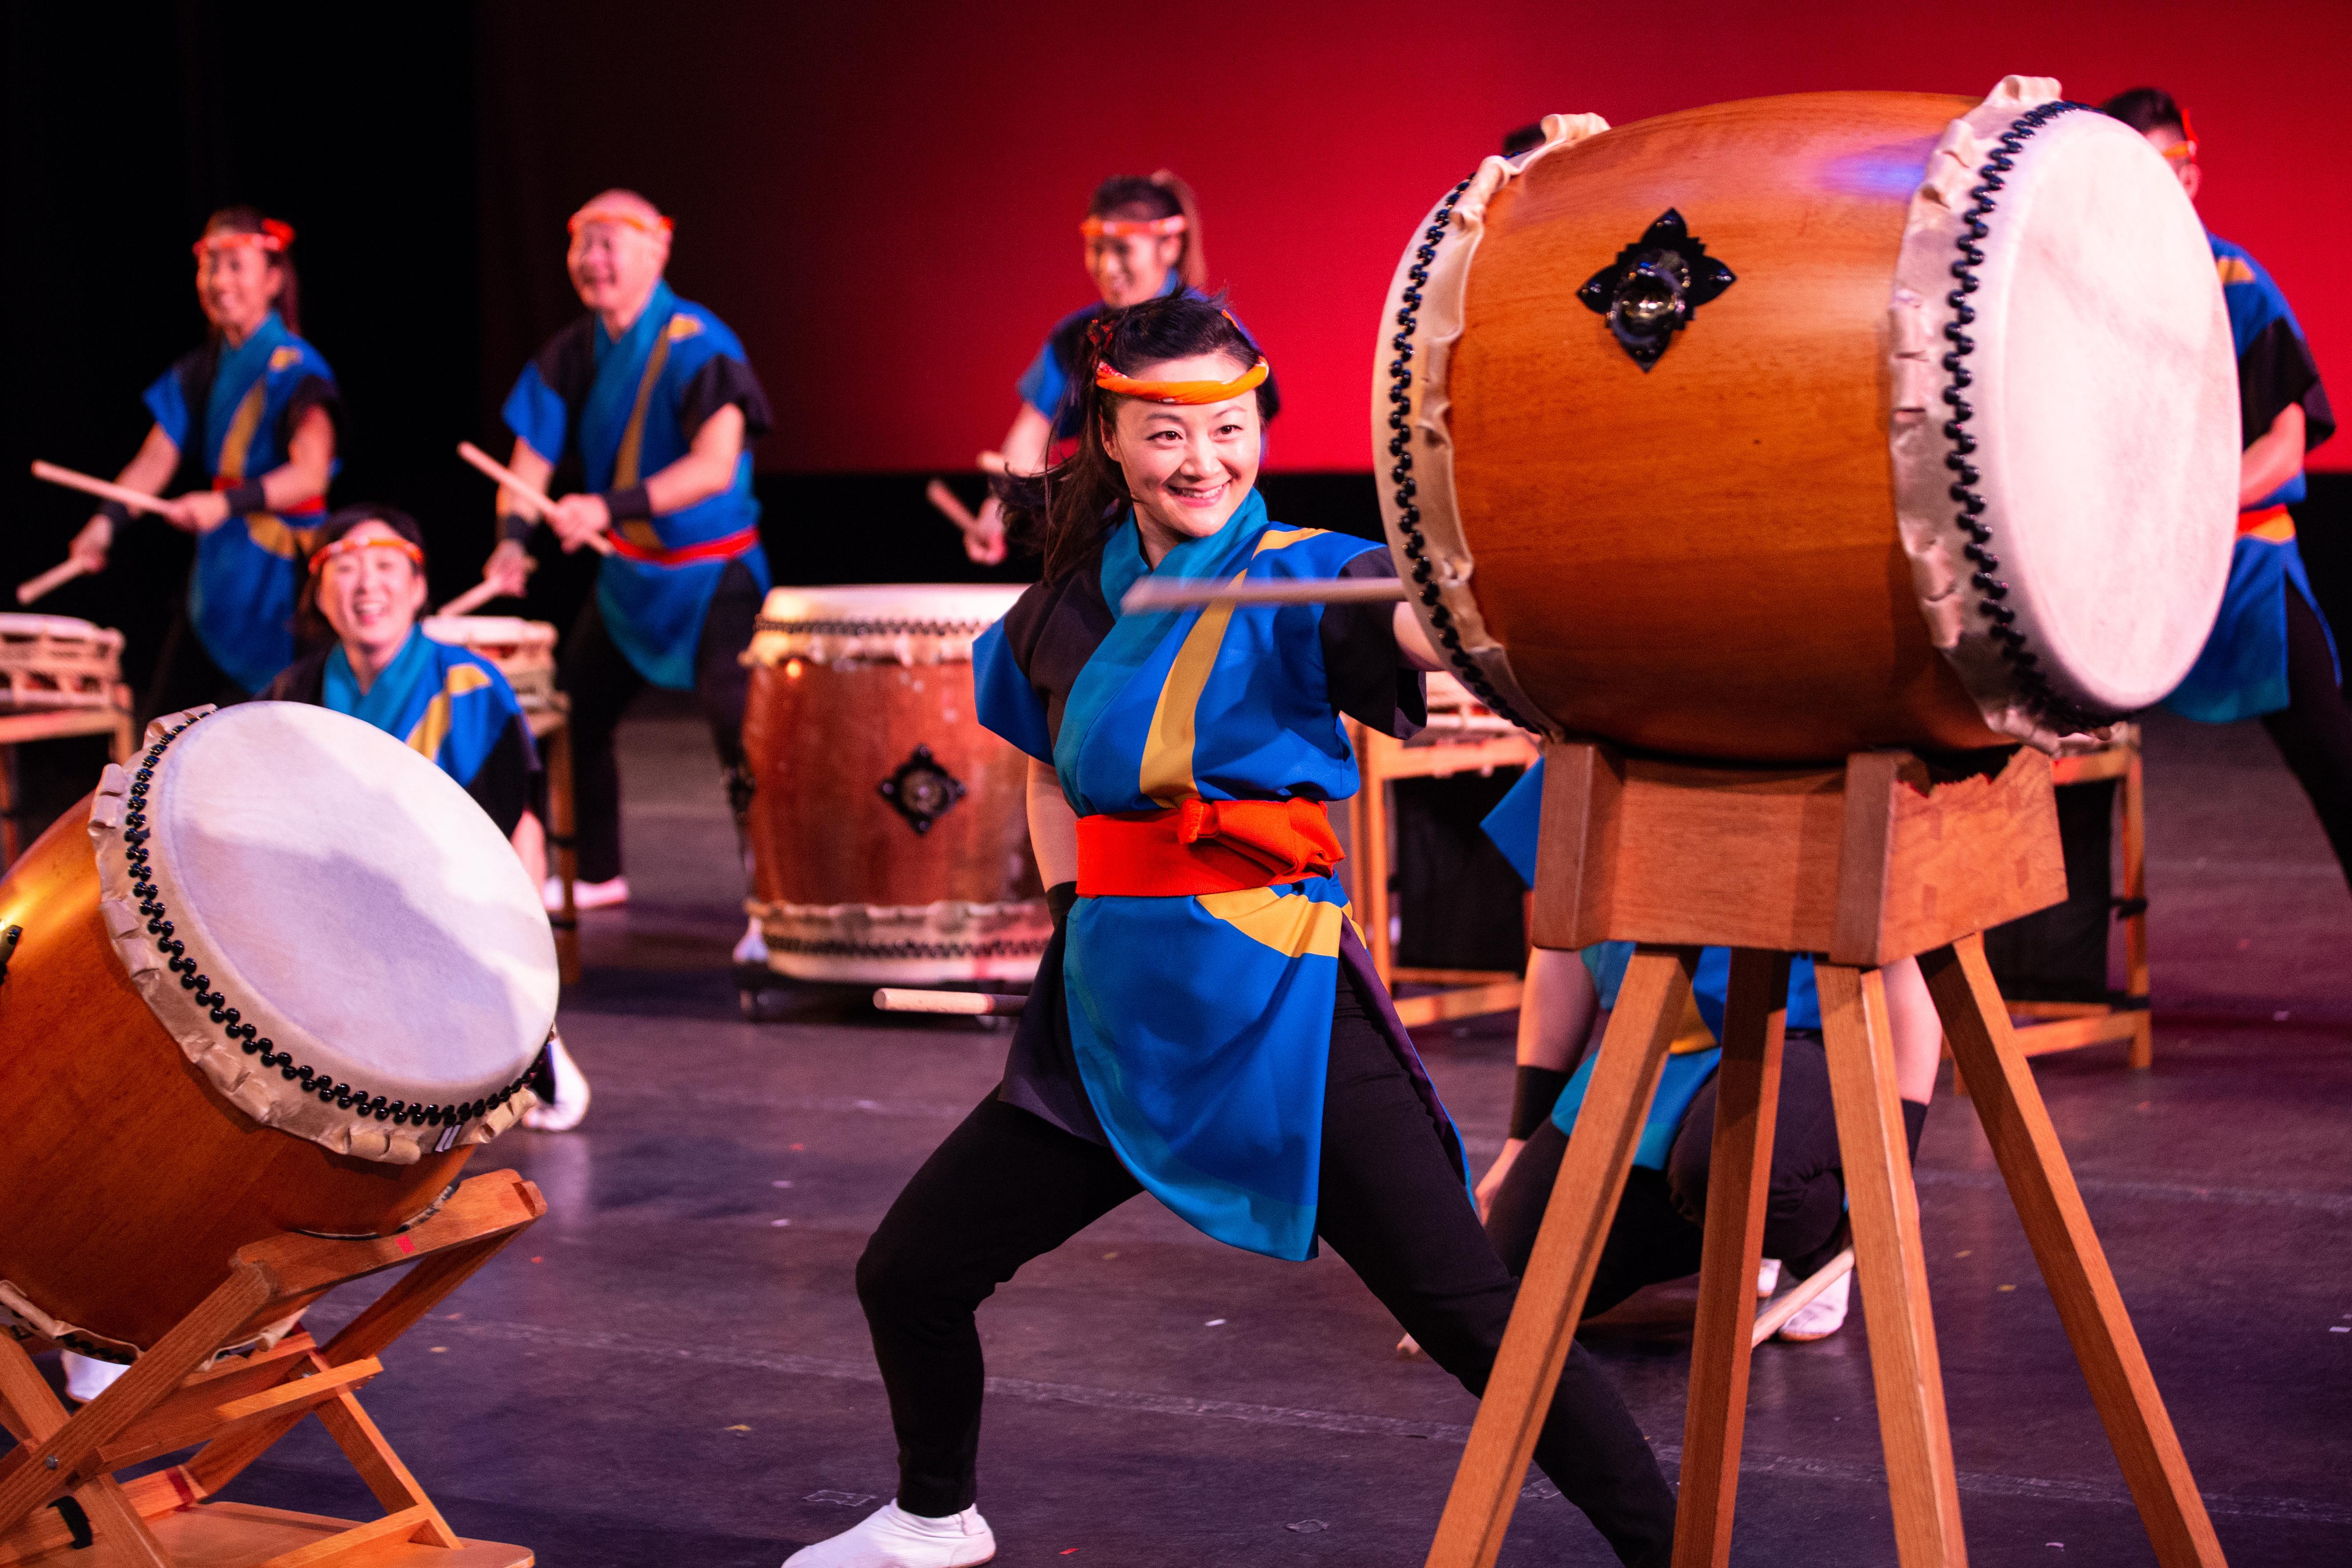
column 273, row 238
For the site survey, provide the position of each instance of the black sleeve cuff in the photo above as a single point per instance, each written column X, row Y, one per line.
column 1537, row 1092
column 114, row 512
column 245, row 496
column 514, row 528
column 1060, row 898
column 631, row 505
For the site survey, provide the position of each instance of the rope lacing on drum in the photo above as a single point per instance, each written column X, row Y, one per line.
column 2033, row 685
column 875, row 628
column 138, row 860
column 1416, row 548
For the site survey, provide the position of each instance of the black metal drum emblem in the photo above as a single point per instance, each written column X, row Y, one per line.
column 1653, row 288
column 921, row 790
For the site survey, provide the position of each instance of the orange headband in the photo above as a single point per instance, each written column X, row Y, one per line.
column 273, row 238
column 2184, row 150
column 642, row 225
column 349, row 546
column 1110, row 379
column 1121, row 228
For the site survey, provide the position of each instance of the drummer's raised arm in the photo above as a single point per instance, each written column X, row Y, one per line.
column 509, row 564
column 149, row 471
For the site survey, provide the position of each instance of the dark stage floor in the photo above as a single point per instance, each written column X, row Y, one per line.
column 672, row 1369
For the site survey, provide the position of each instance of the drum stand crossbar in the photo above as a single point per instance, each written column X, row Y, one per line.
column 1861, row 867
column 57, row 1491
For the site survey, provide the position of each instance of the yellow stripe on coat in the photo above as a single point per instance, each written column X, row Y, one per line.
column 1293, row 924
column 434, row 728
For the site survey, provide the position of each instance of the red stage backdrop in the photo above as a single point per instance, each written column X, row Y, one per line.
column 884, row 199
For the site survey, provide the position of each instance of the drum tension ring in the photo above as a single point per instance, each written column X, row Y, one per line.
column 1654, row 287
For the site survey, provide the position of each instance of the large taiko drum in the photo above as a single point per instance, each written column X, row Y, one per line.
column 524, row 651
column 890, row 831
column 1791, row 427
column 281, row 975
column 57, row 661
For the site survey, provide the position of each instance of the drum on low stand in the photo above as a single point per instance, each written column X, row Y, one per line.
column 1783, row 429
column 55, row 661
column 281, row 976
column 523, row 650
column 890, row 831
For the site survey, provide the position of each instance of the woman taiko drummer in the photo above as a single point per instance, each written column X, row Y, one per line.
column 1142, row 240
column 1206, row 1026
column 247, row 424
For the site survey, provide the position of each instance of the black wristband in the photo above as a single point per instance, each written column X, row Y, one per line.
column 114, row 512
column 631, row 505
column 245, row 496
column 1914, row 1123
column 514, row 528
column 1537, row 1092
column 1059, row 900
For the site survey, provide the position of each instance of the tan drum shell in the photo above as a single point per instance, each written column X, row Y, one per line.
column 846, row 890
column 126, row 1180
column 1749, row 603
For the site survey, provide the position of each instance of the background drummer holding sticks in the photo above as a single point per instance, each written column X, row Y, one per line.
column 248, row 420
column 655, row 395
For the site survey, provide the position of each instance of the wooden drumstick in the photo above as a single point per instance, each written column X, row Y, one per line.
column 537, row 498
column 65, row 571
column 962, row 1004
column 465, row 602
column 1771, row 1321
column 104, row 490
column 940, row 496
column 1183, row 592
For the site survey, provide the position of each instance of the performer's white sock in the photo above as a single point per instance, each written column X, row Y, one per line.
column 571, row 1096
column 890, row 1537
column 1823, row 1315
column 585, row 895
column 1767, row 1278
column 753, row 948
column 87, row 1378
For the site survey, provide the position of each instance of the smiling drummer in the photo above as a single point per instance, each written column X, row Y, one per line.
column 367, row 584
column 655, row 396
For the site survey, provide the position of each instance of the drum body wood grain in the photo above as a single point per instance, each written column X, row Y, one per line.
column 126, row 1179
column 890, row 831
column 1747, row 547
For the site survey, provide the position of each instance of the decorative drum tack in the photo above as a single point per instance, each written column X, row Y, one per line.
column 1786, row 428
column 55, row 661
column 890, row 831
column 280, row 974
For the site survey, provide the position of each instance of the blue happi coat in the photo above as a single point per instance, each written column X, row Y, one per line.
column 1201, row 1026
column 630, row 407
column 1513, row 825
column 231, row 412
column 2243, row 670
column 444, row 702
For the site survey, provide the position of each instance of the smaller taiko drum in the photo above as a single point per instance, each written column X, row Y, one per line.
column 55, row 661
column 890, row 831
column 523, row 650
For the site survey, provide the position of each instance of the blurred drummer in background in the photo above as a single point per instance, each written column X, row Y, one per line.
column 2271, row 654
column 1142, row 240
column 365, row 591
column 655, row 396
column 247, row 424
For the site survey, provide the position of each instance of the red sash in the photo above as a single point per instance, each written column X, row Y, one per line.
column 2275, row 523
column 1205, row 847
column 717, row 549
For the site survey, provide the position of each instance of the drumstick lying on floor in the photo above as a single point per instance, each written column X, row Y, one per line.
column 64, row 571
column 940, row 496
column 537, row 498
column 965, row 1004
column 1771, row 1321
column 1183, row 592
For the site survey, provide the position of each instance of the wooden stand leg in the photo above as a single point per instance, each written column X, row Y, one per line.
column 2136, row 978
column 562, row 834
column 2074, row 1264
column 1892, row 1267
column 1568, row 1249
column 33, row 1414
column 1739, row 1179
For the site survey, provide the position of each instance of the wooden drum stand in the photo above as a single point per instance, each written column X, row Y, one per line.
column 1862, row 867
column 57, row 1491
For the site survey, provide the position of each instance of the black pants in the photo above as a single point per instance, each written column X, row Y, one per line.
column 2314, row 730
column 1007, row 1186
column 185, row 675
column 1655, row 1236
column 602, row 683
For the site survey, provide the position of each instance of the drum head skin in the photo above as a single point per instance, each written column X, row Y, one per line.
column 352, row 904
column 900, row 623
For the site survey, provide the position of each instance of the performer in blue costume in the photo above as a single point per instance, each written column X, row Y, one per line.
column 1656, row 1233
column 1205, row 1025
column 1142, row 240
column 655, row 398
column 366, row 588
column 2271, row 654
column 248, row 425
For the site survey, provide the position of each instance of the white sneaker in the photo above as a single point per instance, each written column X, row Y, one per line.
column 1822, row 1316
column 753, row 948
column 890, row 1537
column 572, row 1096
column 87, row 1378
column 1767, row 1278
column 585, row 895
